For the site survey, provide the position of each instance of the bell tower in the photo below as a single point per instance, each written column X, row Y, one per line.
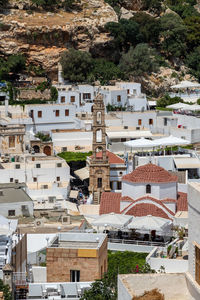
column 99, row 165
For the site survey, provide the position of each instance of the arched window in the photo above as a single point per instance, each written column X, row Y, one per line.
column 99, row 136
column 99, row 153
column 98, row 117
column 148, row 189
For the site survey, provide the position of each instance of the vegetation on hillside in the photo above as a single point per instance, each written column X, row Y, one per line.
column 6, row 290
column 118, row 263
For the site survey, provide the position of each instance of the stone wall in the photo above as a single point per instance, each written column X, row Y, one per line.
column 33, row 94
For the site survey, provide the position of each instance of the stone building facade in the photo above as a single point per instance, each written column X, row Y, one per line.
column 99, row 165
column 82, row 260
column 12, row 139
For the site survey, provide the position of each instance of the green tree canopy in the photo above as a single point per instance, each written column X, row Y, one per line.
column 154, row 6
column 125, row 33
column 149, row 27
column 104, row 71
column 173, row 35
column 167, row 100
column 139, row 61
column 6, row 291
column 76, row 65
column 193, row 31
column 193, row 62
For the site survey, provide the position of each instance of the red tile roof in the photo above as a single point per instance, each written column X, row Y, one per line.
column 150, row 173
column 182, row 203
column 110, row 202
column 112, row 158
column 145, row 209
column 160, row 202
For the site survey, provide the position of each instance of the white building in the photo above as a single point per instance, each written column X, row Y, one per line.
column 45, row 176
column 14, row 201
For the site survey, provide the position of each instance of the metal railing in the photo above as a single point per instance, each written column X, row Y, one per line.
column 19, row 278
column 137, row 242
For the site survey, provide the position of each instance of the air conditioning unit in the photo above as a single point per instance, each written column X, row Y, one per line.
column 52, row 199
column 66, row 220
column 39, row 223
column 64, row 149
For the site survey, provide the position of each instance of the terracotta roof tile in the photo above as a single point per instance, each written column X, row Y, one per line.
column 110, row 202
column 150, row 173
column 160, row 202
column 112, row 158
column 145, row 209
column 182, row 203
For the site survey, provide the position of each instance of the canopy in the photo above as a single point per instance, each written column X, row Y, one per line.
column 140, row 143
column 171, row 141
column 82, row 173
column 187, row 162
column 179, row 105
column 150, row 223
column 185, row 84
column 113, row 220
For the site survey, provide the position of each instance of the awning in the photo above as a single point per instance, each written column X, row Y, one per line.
column 73, row 194
column 128, row 134
column 82, row 173
column 187, row 163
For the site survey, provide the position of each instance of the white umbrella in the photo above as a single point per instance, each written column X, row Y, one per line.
column 148, row 223
column 193, row 107
column 171, row 141
column 179, row 105
column 112, row 220
column 185, row 84
column 140, row 143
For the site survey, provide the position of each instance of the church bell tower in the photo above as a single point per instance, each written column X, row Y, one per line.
column 99, row 165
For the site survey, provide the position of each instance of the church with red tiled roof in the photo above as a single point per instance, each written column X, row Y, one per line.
column 148, row 190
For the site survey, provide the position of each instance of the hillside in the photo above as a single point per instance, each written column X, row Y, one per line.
column 153, row 42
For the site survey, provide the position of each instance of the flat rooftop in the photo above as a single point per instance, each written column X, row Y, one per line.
column 172, row 285
column 80, row 240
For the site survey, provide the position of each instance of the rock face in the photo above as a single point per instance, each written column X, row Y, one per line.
column 43, row 36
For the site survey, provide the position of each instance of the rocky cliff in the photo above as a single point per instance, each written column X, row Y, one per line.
column 43, row 36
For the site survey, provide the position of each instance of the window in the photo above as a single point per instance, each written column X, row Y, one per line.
column 16, row 181
column 57, row 113
column 66, row 112
column 128, row 91
column 31, row 113
column 58, row 178
column 99, row 182
column 86, row 96
column 45, row 186
column 72, row 99
column 148, row 189
column 11, row 179
column 39, row 114
column 118, row 98
column 38, row 166
column 62, row 99
column 17, row 166
column 111, row 185
column 197, row 264
column 11, row 213
column 74, row 275
column 150, row 121
column 34, row 179
column 165, row 121
column 119, row 185
column 59, row 165
column 139, row 121
column 11, row 141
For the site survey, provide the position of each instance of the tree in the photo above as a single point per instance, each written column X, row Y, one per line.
column 139, row 61
column 46, row 4
column 193, row 62
column 3, row 3
column 104, row 71
column 154, row 6
column 54, row 93
column 6, row 291
column 149, row 27
column 193, row 31
column 76, row 65
column 167, row 100
column 125, row 33
column 173, row 35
